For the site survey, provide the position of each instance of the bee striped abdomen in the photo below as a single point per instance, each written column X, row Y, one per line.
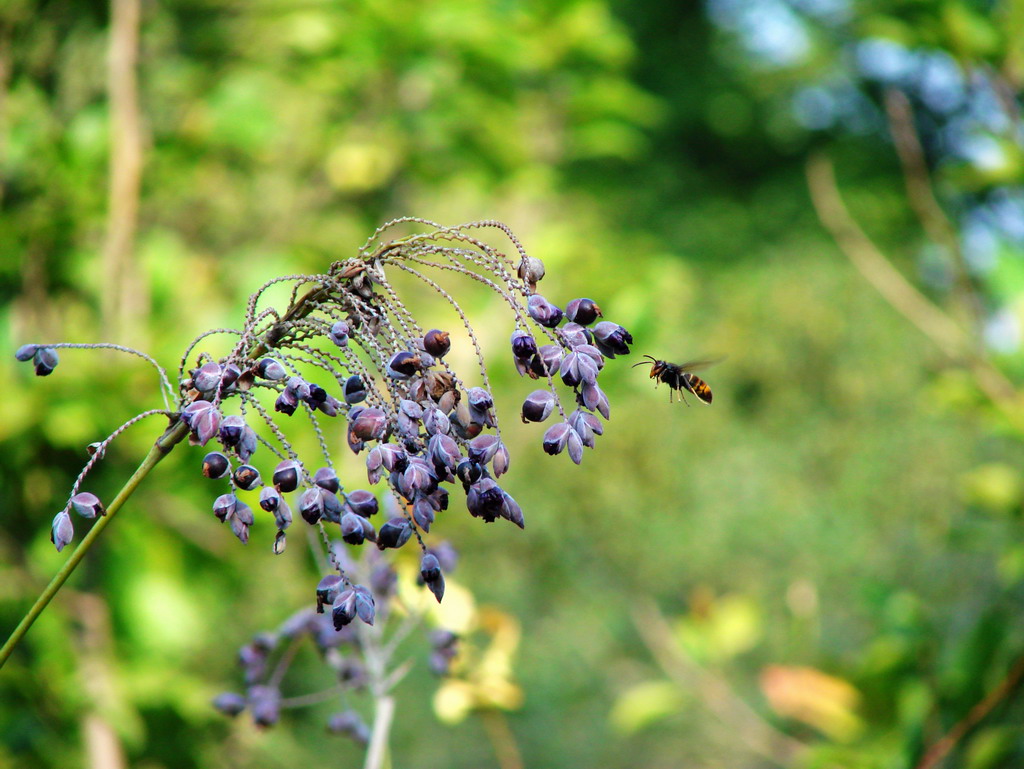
column 697, row 386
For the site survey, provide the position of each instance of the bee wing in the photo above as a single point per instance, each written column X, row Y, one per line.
column 697, row 365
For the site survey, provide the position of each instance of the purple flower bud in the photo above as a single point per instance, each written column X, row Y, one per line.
column 327, row 591
column 247, row 444
column 229, row 703
column 339, row 333
column 203, row 419
column 524, row 346
column 369, row 425
column 501, row 461
column 87, row 505
column 355, row 390
column 575, row 446
column 240, row 529
column 286, row 403
column 430, row 568
column 326, row 478
column 437, row 343
column 394, row 533
column 46, row 360
column 287, row 475
column 246, row 477
column 484, row 500
column 216, row 465
column 329, row 406
column 556, row 437
column 417, row 477
column 612, row 339
column 546, row 361
column 61, row 530
column 411, row 409
column 224, row 506
column 332, row 507
column 283, row 515
column 577, row 367
column 270, row 499
column 593, row 397
column 575, row 335
column 443, row 451
column 352, row 529
column 311, row 504
column 365, row 608
column 206, row 378
column 538, row 406
column 404, row 365
column 361, row 502
column 317, row 395
column 298, row 387
column 542, row 311
column 423, row 512
column 436, row 422
column 243, row 513
column 511, row 511
column 231, row 430
column 26, row 352
column 344, row 609
column 479, row 398
column 582, row 311
column 265, row 705
column 229, row 377
column 586, row 426
column 531, row 271
column 483, row 448
column 268, row 368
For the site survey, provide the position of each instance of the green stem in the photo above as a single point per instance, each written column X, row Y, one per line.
column 171, row 437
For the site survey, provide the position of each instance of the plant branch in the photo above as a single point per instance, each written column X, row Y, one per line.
column 938, row 750
column 872, row 264
column 384, row 712
column 171, row 437
column 746, row 724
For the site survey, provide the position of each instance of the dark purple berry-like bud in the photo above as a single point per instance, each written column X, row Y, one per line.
column 484, row 500
column 224, row 506
column 582, row 311
column 538, row 406
column 206, row 378
column 46, row 360
column 355, row 390
column 327, row 591
column 365, row 608
column 404, row 364
column 577, row 367
column 479, row 398
column 246, row 477
column 61, row 530
column 229, row 377
column 394, row 533
column 298, row 387
column 437, row 343
column 468, row 472
column 270, row 499
column 430, row 568
column 352, row 529
column 216, row 465
column 326, row 478
column 311, row 504
column 546, row 361
column 361, row 502
column 556, row 437
column 542, row 311
column 283, row 516
column 339, row 333
column 369, row 425
column 344, row 609
column 265, row 705
column 612, row 339
column 268, row 368
column 229, row 703
column 287, row 475
column 317, row 395
column 482, row 449
column 286, row 403
column 524, row 346
column 26, row 352
column 87, row 505
column 330, row 406
column 247, row 444
column 231, row 430
column 349, row 723
column 511, row 511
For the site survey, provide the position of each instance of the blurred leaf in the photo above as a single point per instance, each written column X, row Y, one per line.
column 817, row 699
column 645, row 704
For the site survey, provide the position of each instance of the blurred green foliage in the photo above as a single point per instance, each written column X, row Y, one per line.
column 850, row 505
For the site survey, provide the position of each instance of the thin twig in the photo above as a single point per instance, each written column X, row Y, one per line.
column 950, row 338
column 502, row 739
column 759, row 735
column 173, row 435
column 383, row 713
column 939, row 749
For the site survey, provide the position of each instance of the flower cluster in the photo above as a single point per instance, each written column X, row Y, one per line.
column 348, row 350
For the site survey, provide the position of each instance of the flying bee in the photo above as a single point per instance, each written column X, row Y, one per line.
column 678, row 376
